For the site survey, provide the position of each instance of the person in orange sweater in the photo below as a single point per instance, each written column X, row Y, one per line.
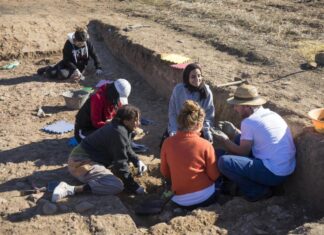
column 189, row 161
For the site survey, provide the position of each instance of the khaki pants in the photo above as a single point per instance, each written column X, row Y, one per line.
column 100, row 179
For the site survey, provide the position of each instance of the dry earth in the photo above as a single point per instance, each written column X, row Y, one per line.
column 264, row 41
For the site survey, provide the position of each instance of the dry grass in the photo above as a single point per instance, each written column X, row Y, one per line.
column 308, row 49
column 265, row 28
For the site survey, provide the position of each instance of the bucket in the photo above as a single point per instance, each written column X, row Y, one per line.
column 317, row 117
column 75, row 99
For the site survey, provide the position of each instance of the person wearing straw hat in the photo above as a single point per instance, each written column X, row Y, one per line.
column 101, row 107
column 265, row 134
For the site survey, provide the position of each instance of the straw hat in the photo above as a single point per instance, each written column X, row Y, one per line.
column 246, row 95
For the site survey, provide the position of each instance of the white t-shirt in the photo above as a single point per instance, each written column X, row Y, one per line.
column 272, row 141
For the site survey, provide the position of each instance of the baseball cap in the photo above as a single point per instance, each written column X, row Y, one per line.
column 123, row 88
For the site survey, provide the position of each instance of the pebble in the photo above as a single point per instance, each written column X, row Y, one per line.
column 83, row 206
column 3, row 201
column 49, row 208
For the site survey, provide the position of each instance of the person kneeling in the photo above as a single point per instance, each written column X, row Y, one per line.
column 265, row 134
column 107, row 146
column 190, row 161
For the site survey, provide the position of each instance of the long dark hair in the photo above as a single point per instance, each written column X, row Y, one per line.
column 185, row 78
column 112, row 94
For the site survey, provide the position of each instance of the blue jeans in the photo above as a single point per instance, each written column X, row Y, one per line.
column 252, row 177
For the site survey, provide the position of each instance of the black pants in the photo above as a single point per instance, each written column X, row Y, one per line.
column 56, row 71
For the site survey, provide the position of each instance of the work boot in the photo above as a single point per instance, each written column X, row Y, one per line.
column 61, row 191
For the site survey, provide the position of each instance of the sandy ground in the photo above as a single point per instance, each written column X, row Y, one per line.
column 34, row 32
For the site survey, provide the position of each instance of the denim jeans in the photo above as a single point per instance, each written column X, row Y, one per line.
column 253, row 178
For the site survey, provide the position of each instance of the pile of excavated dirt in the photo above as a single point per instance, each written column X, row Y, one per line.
column 34, row 33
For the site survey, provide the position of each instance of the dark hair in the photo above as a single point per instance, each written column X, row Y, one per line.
column 80, row 35
column 112, row 94
column 127, row 112
column 185, row 78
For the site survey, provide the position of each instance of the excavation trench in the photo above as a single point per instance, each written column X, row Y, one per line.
column 152, row 82
column 162, row 78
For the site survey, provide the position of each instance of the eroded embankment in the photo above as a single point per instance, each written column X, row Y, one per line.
column 307, row 181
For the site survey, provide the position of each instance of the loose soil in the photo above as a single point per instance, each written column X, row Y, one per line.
column 263, row 41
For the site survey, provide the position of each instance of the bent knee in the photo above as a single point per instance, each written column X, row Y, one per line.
column 223, row 163
column 108, row 185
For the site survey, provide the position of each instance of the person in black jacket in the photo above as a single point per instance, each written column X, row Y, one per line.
column 76, row 54
column 101, row 160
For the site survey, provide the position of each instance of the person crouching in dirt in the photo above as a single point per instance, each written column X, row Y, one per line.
column 190, row 161
column 109, row 146
column 267, row 135
column 101, row 107
column 76, row 54
column 193, row 88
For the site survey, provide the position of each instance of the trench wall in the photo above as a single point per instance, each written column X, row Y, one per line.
column 307, row 182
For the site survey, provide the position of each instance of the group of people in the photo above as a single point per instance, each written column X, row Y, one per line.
column 256, row 157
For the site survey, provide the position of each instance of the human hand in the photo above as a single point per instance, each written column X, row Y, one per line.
column 141, row 167
column 219, row 135
column 99, row 72
column 228, row 128
column 76, row 75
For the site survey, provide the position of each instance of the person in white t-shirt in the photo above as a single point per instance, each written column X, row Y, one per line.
column 265, row 134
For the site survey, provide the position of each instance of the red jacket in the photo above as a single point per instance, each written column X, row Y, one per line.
column 101, row 108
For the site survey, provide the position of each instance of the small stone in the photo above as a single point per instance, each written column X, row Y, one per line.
column 3, row 200
column 319, row 58
column 83, row 206
column 49, row 208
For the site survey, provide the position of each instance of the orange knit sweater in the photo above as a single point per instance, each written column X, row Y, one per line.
column 189, row 161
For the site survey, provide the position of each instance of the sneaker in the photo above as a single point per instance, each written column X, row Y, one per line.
column 61, row 191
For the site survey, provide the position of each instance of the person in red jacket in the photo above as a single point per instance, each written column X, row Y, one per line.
column 189, row 161
column 101, row 107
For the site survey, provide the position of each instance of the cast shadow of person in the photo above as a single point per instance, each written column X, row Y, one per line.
column 85, row 204
column 45, row 152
